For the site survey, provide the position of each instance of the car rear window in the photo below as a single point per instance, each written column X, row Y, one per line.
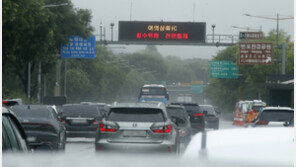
column 209, row 109
column 80, row 110
column 192, row 109
column 136, row 115
column 33, row 112
column 177, row 112
column 277, row 115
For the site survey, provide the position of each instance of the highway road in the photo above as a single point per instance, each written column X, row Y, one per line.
column 85, row 146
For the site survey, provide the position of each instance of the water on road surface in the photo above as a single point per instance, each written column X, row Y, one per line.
column 85, row 146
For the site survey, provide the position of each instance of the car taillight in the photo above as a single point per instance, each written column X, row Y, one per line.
column 107, row 128
column 197, row 115
column 61, row 120
column 162, row 129
column 95, row 122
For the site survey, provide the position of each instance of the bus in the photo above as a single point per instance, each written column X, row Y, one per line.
column 153, row 92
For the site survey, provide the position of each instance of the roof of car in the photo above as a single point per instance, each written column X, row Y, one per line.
column 278, row 108
column 174, row 106
column 157, row 105
column 190, row 103
column 26, row 107
column 206, row 105
column 153, row 85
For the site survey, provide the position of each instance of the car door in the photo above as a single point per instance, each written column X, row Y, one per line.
column 12, row 139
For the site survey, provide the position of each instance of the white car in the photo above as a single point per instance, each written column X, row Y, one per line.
column 265, row 145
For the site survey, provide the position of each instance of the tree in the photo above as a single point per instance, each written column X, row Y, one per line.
column 225, row 92
column 32, row 33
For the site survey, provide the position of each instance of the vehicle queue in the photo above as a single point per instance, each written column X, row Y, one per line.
column 147, row 125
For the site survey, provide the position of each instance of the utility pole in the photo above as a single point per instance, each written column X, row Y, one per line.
column 213, row 30
column 101, row 27
column 65, row 78
column 44, row 85
column 193, row 12
column 277, row 44
column 29, row 84
column 112, row 26
column 39, row 82
column 131, row 8
column 283, row 58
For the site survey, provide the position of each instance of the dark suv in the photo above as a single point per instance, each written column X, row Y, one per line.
column 139, row 127
column 197, row 119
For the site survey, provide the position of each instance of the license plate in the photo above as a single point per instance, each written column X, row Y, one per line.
column 31, row 139
column 79, row 121
column 134, row 133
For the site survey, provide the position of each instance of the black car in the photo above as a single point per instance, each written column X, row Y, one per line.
column 211, row 116
column 13, row 135
column 197, row 118
column 81, row 120
column 42, row 126
column 179, row 115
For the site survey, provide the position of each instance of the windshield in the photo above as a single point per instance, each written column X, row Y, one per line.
column 153, row 91
column 111, row 70
column 209, row 109
column 277, row 115
column 80, row 110
column 33, row 112
column 177, row 112
column 135, row 115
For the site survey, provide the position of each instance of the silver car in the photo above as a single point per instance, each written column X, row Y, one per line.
column 138, row 127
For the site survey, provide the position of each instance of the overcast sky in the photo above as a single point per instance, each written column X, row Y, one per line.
column 223, row 13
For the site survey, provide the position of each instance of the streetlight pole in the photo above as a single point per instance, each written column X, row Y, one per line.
column 277, row 34
column 213, row 30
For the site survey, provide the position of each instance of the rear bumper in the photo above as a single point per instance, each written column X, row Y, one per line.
column 134, row 147
column 212, row 123
column 43, row 138
column 88, row 134
column 197, row 127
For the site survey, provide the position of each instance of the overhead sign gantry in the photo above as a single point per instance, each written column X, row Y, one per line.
column 162, row 31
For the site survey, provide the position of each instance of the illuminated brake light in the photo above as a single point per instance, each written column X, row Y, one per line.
column 4, row 102
column 165, row 129
column 105, row 128
column 197, row 115
column 95, row 122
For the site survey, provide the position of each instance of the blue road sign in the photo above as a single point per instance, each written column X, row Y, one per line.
column 79, row 48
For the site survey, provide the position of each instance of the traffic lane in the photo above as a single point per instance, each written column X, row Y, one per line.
column 87, row 145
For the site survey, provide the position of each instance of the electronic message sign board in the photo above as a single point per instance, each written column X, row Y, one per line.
column 162, row 31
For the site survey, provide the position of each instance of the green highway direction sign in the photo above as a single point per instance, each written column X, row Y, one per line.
column 223, row 69
column 196, row 88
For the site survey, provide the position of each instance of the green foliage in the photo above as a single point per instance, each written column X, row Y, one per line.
column 33, row 32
